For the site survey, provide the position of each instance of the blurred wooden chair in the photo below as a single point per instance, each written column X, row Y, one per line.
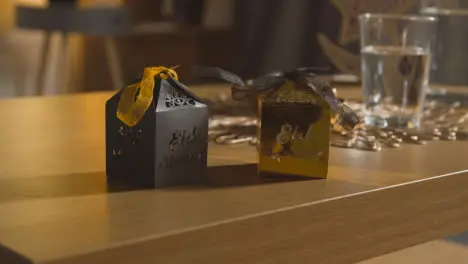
column 65, row 18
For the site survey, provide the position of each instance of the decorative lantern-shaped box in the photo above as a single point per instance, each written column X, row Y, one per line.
column 156, row 132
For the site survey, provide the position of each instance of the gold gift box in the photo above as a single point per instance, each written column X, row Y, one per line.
column 294, row 112
column 293, row 132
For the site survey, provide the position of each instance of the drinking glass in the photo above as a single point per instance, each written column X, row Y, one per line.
column 395, row 64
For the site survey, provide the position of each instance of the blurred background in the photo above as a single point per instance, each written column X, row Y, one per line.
column 67, row 46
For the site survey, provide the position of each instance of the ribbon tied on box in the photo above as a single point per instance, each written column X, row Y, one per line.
column 137, row 98
column 304, row 77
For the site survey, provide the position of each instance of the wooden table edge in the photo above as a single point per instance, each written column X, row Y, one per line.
column 318, row 230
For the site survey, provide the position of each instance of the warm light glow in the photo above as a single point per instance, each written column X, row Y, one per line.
column 6, row 15
column 100, row 3
column 29, row 2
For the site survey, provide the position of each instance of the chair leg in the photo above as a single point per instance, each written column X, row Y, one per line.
column 19, row 83
column 64, row 71
column 114, row 64
column 43, row 61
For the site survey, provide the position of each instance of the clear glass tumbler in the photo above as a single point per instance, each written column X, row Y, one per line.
column 395, row 64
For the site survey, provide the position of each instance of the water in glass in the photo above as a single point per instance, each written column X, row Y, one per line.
column 394, row 83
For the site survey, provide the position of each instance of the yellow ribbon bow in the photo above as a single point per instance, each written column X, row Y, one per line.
column 132, row 107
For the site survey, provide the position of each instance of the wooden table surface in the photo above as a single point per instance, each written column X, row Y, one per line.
column 56, row 207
